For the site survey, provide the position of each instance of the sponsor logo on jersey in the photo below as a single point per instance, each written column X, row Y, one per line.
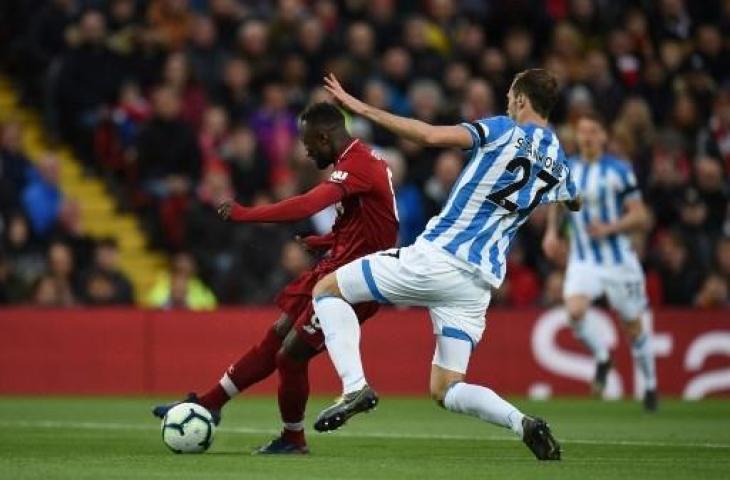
column 338, row 176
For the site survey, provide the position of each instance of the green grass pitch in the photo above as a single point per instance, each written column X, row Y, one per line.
column 115, row 438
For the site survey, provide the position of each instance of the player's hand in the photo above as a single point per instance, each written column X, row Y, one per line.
column 551, row 245
column 332, row 85
column 304, row 242
column 600, row 230
column 224, row 209
column 312, row 243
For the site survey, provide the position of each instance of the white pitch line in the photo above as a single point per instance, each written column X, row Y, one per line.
column 53, row 424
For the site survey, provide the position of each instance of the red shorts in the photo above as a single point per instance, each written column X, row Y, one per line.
column 296, row 301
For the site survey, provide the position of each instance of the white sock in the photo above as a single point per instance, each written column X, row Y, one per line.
column 230, row 388
column 482, row 402
column 588, row 336
column 294, row 427
column 643, row 354
column 342, row 337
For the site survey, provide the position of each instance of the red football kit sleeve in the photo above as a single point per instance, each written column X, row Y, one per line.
column 292, row 209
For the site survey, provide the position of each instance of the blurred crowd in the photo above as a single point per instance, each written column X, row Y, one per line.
column 178, row 104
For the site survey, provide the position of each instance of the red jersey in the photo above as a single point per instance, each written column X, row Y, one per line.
column 367, row 220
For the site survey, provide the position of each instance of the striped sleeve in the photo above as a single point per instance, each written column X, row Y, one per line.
column 566, row 188
column 628, row 186
column 486, row 130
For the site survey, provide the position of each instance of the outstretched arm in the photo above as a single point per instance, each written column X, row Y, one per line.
column 290, row 210
column 414, row 130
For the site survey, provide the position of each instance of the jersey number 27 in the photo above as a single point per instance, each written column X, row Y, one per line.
column 500, row 196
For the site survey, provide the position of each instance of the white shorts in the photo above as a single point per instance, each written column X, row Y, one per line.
column 623, row 285
column 423, row 275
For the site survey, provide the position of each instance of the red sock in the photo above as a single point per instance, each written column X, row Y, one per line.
column 255, row 365
column 293, row 394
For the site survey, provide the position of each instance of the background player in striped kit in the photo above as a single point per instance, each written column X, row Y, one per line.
column 602, row 260
column 516, row 164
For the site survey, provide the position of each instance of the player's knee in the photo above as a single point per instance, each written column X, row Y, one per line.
column 440, row 385
column 294, row 350
column 283, row 325
column 576, row 309
column 326, row 286
column 633, row 329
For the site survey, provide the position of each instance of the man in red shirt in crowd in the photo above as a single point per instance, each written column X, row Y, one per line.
column 367, row 222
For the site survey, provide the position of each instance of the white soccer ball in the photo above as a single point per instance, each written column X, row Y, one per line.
column 188, row 428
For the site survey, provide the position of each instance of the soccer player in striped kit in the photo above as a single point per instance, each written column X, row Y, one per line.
column 602, row 260
column 516, row 163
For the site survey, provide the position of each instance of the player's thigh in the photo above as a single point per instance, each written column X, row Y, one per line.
column 404, row 276
column 582, row 285
column 463, row 321
column 451, row 354
column 626, row 292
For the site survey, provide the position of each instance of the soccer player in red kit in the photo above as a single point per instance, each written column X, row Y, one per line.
column 367, row 222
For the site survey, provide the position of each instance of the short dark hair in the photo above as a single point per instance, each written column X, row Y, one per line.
column 540, row 86
column 593, row 116
column 323, row 115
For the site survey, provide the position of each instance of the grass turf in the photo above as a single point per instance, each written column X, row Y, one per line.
column 115, row 438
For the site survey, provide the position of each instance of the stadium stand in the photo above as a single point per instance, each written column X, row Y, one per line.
column 125, row 122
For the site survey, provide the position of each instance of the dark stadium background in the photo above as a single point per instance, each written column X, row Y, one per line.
column 123, row 122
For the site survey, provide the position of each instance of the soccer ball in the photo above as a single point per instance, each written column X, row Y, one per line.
column 188, row 428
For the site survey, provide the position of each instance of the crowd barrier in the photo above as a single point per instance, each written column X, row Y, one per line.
column 523, row 352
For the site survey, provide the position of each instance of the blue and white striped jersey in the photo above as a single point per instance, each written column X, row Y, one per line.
column 513, row 168
column 604, row 185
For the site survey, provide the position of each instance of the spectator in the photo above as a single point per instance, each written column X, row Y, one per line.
column 61, row 274
column 130, row 112
column 14, row 166
column 88, row 79
column 181, row 288
column 693, row 214
column 681, row 277
column 244, row 159
column 293, row 262
column 24, row 259
column 167, row 152
column 235, row 93
column 437, row 188
column 714, row 292
column 178, row 76
column 171, row 20
column 212, row 134
column 713, row 189
column 205, row 57
column 208, row 238
column 275, row 128
column 12, row 287
column 253, row 46
column 42, row 198
column 104, row 283
column 408, row 198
